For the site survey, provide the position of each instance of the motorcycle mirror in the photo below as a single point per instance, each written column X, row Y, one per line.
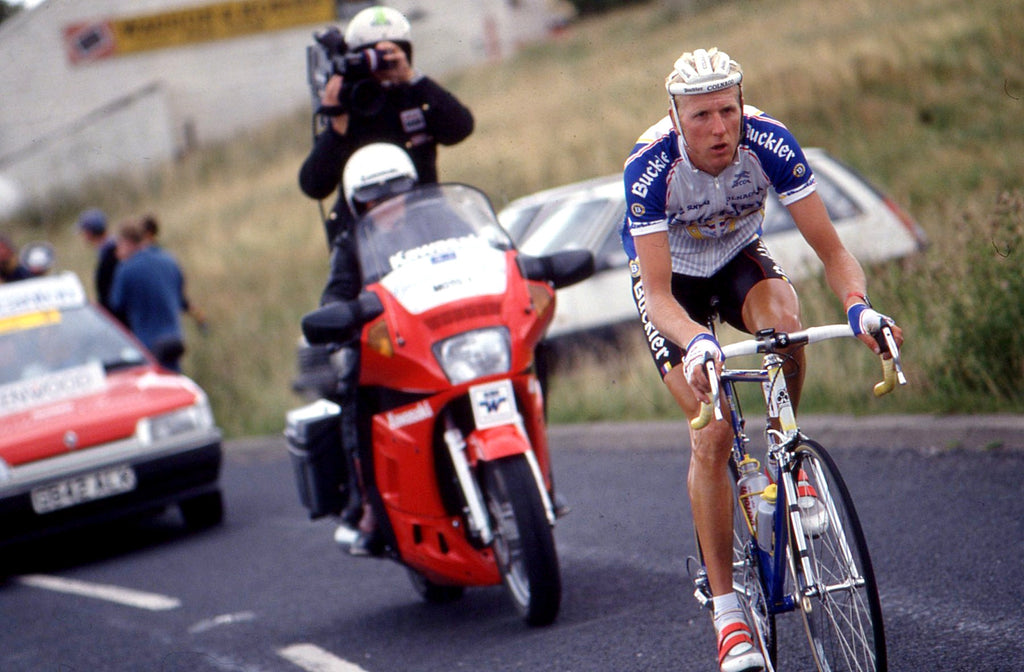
column 561, row 269
column 340, row 321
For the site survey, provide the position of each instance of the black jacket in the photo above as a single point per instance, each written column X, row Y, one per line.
column 417, row 117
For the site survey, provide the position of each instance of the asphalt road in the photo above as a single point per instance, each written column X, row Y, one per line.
column 941, row 502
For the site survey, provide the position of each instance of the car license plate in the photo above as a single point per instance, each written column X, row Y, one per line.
column 84, row 488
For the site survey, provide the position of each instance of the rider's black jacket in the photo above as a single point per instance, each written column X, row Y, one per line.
column 417, row 117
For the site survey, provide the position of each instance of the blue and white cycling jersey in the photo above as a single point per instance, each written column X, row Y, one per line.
column 710, row 219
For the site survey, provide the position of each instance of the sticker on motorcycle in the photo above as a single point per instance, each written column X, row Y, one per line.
column 494, row 404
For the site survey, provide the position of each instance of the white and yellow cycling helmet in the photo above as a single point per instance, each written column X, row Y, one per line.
column 703, row 71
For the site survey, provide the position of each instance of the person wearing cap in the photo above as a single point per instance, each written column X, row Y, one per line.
column 417, row 114
column 92, row 225
column 11, row 268
column 696, row 184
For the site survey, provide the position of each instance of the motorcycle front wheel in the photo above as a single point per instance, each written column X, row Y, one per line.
column 524, row 545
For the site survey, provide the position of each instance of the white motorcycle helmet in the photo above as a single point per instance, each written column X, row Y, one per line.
column 379, row 24
column 375, row 172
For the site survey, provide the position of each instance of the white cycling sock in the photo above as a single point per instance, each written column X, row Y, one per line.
column 727, row 608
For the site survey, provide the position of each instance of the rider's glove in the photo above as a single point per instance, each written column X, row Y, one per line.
column 699, row 348
column 866, row 320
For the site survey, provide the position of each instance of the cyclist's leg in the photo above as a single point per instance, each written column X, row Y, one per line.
column 709, row 485
column 768, row 300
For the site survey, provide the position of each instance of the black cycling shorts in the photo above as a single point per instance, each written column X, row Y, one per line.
column 722, row 295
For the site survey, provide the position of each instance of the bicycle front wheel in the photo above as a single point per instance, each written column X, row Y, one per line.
column 842, row 613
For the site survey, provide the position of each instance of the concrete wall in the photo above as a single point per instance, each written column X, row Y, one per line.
column 61, row 122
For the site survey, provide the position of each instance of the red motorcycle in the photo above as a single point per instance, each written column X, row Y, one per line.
column 451, row 410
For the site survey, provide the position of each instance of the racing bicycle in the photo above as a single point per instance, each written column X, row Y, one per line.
column 806, row 552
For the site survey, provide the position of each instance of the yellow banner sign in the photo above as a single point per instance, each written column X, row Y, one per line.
column 117, row 36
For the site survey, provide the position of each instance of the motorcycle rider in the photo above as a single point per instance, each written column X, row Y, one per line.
column 696, row 184
column 373, row 174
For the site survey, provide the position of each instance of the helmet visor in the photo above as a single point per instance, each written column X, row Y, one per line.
column 378, row 191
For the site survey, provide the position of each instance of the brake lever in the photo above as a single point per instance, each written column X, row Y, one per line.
column 714, row 408
column 892, row 367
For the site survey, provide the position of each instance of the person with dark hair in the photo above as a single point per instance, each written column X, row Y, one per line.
column 150, row 233
column 92, row 224
column 148, row 290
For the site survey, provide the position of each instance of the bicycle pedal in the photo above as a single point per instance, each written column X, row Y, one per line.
column 702, row 592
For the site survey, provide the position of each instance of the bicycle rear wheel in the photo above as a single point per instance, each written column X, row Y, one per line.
column 842, row 615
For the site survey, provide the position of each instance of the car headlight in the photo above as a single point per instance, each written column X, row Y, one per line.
column 160, row 428
column 474, row 354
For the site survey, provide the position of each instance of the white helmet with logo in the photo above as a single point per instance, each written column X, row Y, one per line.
column 378, row 24
column 703, row 71
column 375, row 172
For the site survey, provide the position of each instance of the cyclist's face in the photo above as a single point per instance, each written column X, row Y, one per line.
column 710, row 123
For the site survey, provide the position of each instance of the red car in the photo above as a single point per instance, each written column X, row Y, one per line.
column 92, row 426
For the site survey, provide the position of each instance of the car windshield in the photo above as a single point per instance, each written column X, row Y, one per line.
column 40, row 343
column 426, row 221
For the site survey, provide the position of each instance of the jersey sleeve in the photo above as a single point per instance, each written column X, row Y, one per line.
column 645, row 179
column 780, row 156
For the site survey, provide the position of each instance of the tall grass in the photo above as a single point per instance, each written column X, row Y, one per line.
column 924, row 96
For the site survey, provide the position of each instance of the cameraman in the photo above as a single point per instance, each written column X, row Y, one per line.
column 414, row 113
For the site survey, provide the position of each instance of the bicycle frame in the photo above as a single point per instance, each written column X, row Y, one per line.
column 781, row 431
column 788, row 553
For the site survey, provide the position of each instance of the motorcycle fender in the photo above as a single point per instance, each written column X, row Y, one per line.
column 495, row 443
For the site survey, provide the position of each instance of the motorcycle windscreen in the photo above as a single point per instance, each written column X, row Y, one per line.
column 434, row 245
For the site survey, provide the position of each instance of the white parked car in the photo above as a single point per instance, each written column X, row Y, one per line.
column 588, row 215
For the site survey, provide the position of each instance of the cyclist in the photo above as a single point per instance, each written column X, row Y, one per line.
column 696, row 184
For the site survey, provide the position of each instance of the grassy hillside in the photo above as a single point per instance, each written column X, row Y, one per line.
column 924, row 96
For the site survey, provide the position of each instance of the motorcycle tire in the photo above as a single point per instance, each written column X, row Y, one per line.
column 524, row 545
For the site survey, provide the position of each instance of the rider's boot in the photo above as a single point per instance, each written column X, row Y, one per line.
column 370, row 540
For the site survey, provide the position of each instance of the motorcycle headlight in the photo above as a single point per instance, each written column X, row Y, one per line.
column 169, row 425
column 474, row 354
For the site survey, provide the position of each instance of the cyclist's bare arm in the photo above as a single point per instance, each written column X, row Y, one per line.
column 843, row 272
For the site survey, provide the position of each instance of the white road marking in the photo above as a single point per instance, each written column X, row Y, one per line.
column 224, row 619
column 314, row 659
column 126, row 596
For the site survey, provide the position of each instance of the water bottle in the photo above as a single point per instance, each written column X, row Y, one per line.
column 752, row 482
column 766, row 517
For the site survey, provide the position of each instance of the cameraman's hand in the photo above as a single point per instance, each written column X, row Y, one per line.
column 330, row 97
column 401, row 71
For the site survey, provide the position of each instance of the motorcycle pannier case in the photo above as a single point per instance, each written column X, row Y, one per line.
column 314, row 445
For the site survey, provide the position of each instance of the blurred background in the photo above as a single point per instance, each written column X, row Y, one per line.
column 200, row 113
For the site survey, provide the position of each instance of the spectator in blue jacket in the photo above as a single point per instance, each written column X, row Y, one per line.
column 148, row 289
